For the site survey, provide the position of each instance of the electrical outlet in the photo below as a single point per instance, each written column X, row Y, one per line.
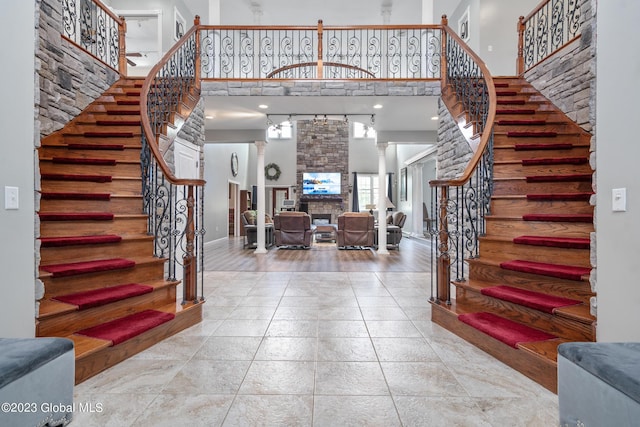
column 11, row 198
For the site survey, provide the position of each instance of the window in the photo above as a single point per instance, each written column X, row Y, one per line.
column 360, row 130
column 280, row 131
column 367, row 190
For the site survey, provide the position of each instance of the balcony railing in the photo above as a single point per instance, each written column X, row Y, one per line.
column 95, row 29
column 380, row 52
column 547, row 29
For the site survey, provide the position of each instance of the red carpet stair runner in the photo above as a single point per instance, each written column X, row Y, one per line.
column 104, row 289
column 529, row 288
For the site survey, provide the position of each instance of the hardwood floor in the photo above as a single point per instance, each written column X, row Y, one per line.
column 229, row 255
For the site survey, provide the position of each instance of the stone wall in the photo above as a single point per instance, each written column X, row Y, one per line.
column 68, row 79
column 193, row 132
column 454, row 151
column 323, row 148
column 568, row 77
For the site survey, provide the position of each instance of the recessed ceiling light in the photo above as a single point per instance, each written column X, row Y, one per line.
column 377, row 106
column 263, row 106
column 434, row 118
column 208, row 117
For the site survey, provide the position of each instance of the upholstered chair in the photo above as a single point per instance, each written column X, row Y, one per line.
column 355, row 229
column 293, row 229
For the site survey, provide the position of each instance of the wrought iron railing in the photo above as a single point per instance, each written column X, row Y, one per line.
column 382, row 52
column 95, row 29
column 460, row 204
column 547, row 29
column 174, row 206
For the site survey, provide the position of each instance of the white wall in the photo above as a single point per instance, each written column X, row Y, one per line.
column 307, row 12
column 217, row 173
column 492, row 23
column 17, row 261
column 167, row 14
column 618, row 245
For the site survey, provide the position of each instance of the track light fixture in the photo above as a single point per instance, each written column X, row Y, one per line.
column 318, row 119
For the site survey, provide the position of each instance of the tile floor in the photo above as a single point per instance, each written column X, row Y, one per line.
column 315, row 349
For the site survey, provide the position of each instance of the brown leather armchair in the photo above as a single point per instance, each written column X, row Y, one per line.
column 293, row 229
column 355, row 229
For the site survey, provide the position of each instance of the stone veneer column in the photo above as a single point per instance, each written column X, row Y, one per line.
column 324, row 147
column 260, row 225
column 382, row 199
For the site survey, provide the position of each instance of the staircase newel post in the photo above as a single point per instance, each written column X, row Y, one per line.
column 122, row 48
column 444, row 259
column 520, row 59
column 189, row 260
column 320, row 29
column 197, row 71
column 443, row 52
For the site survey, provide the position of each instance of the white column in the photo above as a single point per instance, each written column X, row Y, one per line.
column 427, row 12
column 260, row 227
column 214, row 12
column 416, row 199
column 382, row 199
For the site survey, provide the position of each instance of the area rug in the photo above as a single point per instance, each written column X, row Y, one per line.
column 504, row 330
column 50, row 242
column 98, row 297
column 560, row 271
column 120, row 330
column 535, row 300
column 84, row 267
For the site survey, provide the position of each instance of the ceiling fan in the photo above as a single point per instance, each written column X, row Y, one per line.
column 134, row 55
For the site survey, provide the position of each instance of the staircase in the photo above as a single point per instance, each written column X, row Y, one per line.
column 104, row 289
column 528, row 291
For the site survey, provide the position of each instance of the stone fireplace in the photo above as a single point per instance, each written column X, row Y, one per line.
column 322, row 219
column 323, row 147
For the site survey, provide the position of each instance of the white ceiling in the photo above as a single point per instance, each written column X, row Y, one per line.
column 398, row 113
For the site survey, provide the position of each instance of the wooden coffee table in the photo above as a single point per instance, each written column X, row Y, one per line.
column 325, row 233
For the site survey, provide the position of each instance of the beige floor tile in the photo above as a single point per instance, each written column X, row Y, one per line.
column 350, row 379
column 362, row 411
column 287, row 348
column 279, row 377
column 331, row 349
column 421, row 379
column 201, row 410
column 276, row 410
column 404, row 350
column 229, row 348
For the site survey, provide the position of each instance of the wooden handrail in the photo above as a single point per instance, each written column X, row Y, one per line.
column 315, row 64
column 486, row 133
column 535, row 10
column 144, row 114
column 108, row 12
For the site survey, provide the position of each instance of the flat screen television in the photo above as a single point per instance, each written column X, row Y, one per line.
column 321, row 183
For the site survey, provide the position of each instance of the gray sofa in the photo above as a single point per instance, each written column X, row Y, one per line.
column 36, row 381
column 599, row 384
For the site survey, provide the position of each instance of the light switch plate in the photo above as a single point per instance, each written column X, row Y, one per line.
column 11, row 198
column 619, row 199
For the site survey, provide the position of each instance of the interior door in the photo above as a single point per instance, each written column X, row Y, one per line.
column 277, row 196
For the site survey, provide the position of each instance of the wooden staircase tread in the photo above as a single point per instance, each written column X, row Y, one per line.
column 50, row 307
column 86, row 346
column 545, row 350
column 579, row 313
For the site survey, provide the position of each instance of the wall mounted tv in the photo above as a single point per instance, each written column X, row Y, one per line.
column 321, row 183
